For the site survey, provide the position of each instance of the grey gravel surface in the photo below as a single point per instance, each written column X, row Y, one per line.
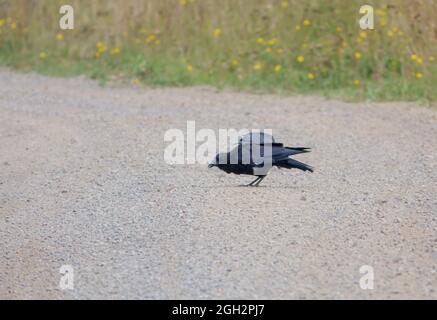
column 83, row 183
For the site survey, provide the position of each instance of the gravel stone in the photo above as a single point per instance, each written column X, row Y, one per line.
column 83, row 183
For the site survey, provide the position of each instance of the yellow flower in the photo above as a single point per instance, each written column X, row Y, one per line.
column 356, row 82
column 2, row 22
column 278, row 68
column 101, row 47
column 217, row 32
column 363, row 35
column 300, row 59
column 183, row 2
column 390, row 34
column 59, row 37
column 98, row 54
column 414, row 57
column 431, row 59
column 257, row 66
column 419, row 60
column 306, row 22
column 310, row 76
column 272, row 42
column 235, row 62
column 42, row 55
column 269, row 50
column 135, row 82
column 158, row 42
column 419, row 75
column 284, row 4
column 357, row 55
column 150, row 38
column 297, row 28
column 189, row 68
column 339, row 29
column 114, row 51
column 260, row 40
column 13, row 25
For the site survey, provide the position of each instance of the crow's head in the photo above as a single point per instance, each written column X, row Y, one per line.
column 216, row 161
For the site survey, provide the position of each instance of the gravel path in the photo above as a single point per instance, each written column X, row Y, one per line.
column 82, row 183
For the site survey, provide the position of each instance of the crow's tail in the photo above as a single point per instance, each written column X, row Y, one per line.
column 291, row 163
column 292, row 151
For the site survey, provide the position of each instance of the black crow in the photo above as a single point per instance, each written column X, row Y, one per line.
column 255, row 154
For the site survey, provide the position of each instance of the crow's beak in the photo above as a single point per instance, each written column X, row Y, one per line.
column 212, row 163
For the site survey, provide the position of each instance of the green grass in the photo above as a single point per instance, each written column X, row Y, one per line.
column 161, row 71
column 244, row 45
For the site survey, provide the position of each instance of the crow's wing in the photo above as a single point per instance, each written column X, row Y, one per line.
column 254, row 154
column 250, row 154
column 279, row 153
column 291, row 163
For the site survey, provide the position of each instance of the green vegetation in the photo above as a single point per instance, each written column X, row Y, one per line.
column 313, row 47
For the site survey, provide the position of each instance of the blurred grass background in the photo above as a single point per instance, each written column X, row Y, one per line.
column 281, row 46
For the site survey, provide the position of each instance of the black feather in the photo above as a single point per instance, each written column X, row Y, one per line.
column 291, row 163
column 250, row 153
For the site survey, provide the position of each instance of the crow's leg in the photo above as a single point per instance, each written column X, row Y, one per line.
column 251, row 184
column 261, row 178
